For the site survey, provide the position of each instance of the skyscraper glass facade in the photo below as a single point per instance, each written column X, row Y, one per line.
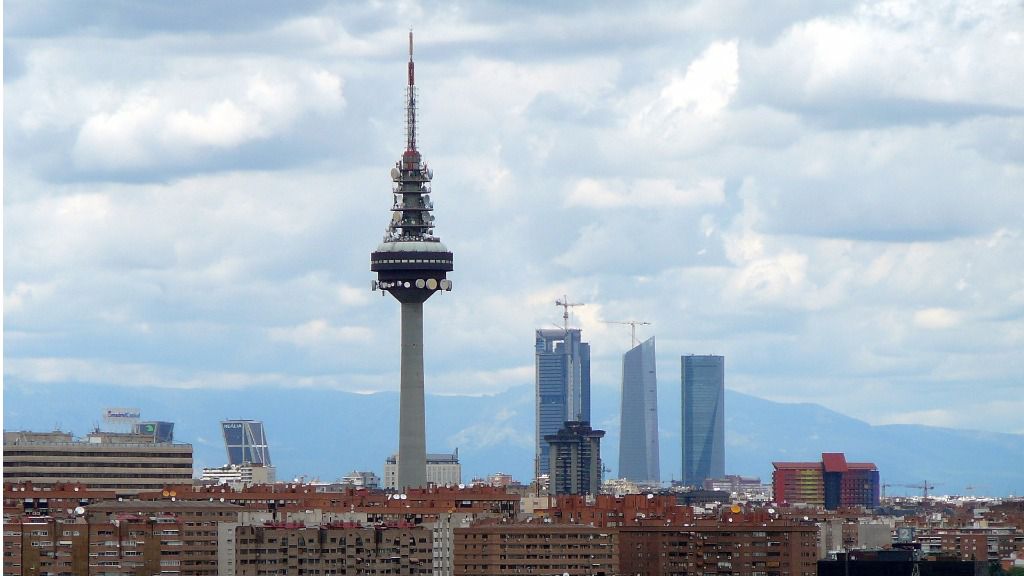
column 703, row 394
column 563, row 385
column 638, row 443
column 246, row 442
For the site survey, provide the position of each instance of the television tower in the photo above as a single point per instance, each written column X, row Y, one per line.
column 411, row 264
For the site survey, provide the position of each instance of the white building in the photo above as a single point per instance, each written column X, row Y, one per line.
column 442, row 470
column 240, row 475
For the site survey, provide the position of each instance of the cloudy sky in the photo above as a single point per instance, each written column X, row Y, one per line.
column 831, row 194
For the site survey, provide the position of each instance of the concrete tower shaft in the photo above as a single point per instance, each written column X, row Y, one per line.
column 411, row 265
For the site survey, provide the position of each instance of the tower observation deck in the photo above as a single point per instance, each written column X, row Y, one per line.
column 411, row 265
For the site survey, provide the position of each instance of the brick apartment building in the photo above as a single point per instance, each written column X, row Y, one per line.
column 330, row 549
column 496, row 549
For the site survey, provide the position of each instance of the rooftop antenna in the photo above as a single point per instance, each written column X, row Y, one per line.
column 565, row 304
column 410, row 108
column 632, row 327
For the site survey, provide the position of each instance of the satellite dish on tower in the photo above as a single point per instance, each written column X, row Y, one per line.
column 395, row 173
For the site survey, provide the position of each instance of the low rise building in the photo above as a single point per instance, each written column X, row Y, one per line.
column 240, row 475
column 442, row 470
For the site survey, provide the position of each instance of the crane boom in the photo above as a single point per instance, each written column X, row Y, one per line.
column 565, row 304
column 632, row 327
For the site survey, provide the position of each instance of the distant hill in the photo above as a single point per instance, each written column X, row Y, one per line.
column 326, row 433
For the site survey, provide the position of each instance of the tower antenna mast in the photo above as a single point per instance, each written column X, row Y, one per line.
column 565, row 304
column 632, row 327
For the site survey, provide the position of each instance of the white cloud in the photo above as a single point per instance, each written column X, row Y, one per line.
column 319, row 333
column 692, row 101
column 936, row 318
column 178, row 121
column 933, row 51
column 644, row 193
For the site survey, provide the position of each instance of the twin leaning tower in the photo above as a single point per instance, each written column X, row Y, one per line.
column 411, row 264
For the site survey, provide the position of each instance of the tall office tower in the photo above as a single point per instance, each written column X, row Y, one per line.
column 703, row 418
column 563, row 385
column 575, row 459
column 246, row 442
column 638, row 440
column 411, row 264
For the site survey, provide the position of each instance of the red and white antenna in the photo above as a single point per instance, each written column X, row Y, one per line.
column 410, row 105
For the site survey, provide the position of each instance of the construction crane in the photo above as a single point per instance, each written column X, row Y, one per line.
column 632, row 327
column 924, row 487
column 565, row 304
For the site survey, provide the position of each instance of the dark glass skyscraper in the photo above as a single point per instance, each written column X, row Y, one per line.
column 703, row 418
column 563, row 385
column 575, row 459
column 246, row 442
column 638, row 442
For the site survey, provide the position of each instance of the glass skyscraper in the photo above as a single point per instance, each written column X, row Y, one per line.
column 703, row 394
column 638, row 442
column 563, row 385
column 246, row 442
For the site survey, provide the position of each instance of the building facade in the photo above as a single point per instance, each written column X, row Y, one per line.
column 246, row 442
column 493, row 549
column 703, row 399
column 562, row 363
column 442, row 470
column 575, row 459
column 123, row 462
column 833, row 482
column 639, row 456
column 340, row 548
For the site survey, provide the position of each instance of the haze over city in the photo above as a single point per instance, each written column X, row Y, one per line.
column 831, row 195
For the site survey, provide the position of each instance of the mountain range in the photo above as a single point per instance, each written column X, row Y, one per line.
column 325, row 434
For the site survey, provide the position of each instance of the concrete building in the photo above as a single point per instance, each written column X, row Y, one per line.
column 441, row 470
column 832, row 483
column 127, row 463
column 361, row 479
column 703, row 405
column 411, row 265
column 246, row 442
column 575, row 459
column 562, row 363
column 639, row 455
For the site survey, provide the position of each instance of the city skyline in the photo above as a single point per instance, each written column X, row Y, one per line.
column 829, row 195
